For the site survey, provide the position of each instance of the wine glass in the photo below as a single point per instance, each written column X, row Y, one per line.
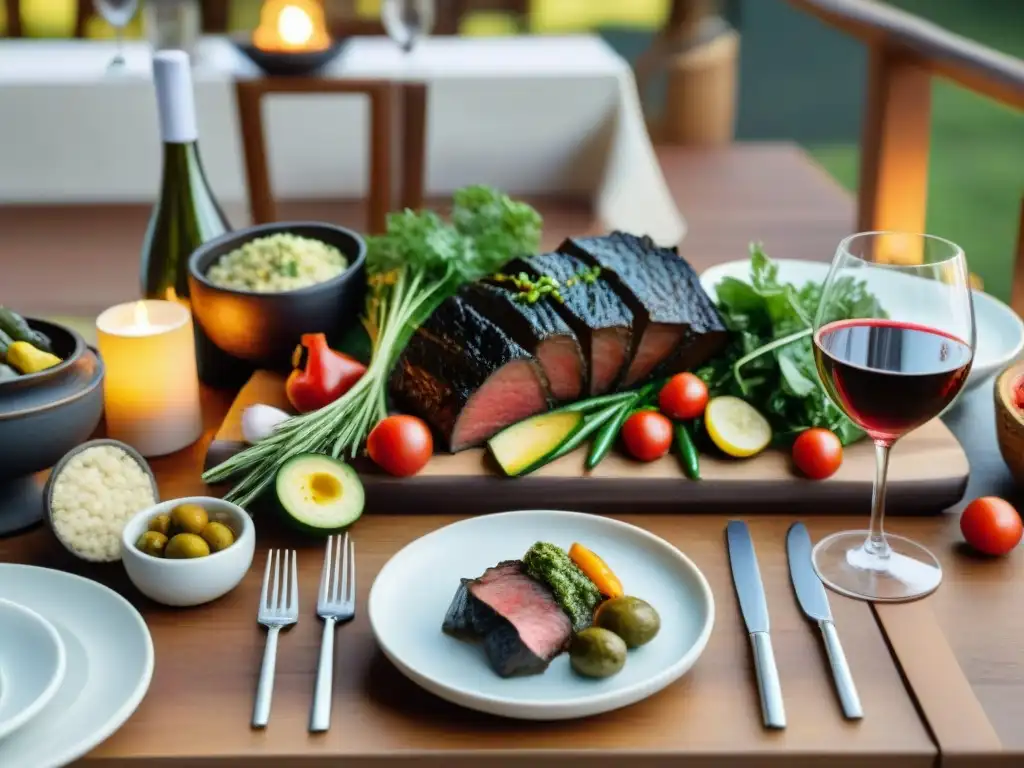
column 117, row 13
column 406, row 21
column 890, row 366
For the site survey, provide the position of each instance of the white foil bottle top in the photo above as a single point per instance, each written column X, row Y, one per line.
column 175, row 100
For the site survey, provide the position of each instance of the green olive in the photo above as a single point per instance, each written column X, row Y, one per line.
column 218, row 536
column 152, row 543
column 186, row 545
column 631, row 618
column 596, row 652
column 188, row 518
column 161, row 524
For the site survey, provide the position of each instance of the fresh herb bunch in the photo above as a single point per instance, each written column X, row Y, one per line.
column 415, row 265
column 770, row 360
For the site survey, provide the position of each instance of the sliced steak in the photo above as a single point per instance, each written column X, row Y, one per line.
column 537, row 328
column 466, row 377
column 596, row 313
column 676, row 323
column 516, row 618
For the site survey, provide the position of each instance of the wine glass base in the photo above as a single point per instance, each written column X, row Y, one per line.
column 843, row 564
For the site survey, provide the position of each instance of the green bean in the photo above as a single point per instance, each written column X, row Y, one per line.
column 687, row 452
column 594, row 403
column 591, row 423
column 606, row 437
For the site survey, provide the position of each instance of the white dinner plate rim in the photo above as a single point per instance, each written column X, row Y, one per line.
column 11, row 725
column 560, row 708
column 131, row 703
column 727, row 267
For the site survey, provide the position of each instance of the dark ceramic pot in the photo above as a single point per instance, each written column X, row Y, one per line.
column 288, row 64
column 264, row 328
column 42, row 417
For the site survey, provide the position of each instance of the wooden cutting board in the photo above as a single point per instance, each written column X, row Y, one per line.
column 928, row 472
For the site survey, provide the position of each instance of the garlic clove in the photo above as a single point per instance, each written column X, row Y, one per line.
column 259, row 421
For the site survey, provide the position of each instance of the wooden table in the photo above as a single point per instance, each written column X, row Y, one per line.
column 942, row 678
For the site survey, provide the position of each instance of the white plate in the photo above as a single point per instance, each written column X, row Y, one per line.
column 412, row 592
column 1000, row 333
column 109, row 665
column 31, row 665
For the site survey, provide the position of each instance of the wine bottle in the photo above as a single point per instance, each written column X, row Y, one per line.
column 186, row 213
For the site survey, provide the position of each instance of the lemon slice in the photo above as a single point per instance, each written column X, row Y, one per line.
column 736, row 427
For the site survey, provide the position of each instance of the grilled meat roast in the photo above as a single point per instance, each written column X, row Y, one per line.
column 466, row 377
column 599, row 317
column 516, row 619
column 674, row 320
column 488, row 358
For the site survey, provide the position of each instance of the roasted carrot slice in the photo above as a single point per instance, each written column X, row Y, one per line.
column 596, row 570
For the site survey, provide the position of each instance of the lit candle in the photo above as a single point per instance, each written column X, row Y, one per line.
column 151, row 387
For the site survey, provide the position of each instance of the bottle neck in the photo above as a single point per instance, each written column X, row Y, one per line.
column 182, row 169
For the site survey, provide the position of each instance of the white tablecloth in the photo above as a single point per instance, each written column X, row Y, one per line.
column 531, row 115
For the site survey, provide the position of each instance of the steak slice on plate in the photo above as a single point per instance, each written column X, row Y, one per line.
column 674, row 320
column 516, row 618
column 537, row 328
column 466, row 377
column 596, row 313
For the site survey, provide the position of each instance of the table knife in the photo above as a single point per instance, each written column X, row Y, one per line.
column 746, row 577
column 813, row 599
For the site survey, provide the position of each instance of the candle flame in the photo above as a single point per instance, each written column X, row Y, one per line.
column 141, row 315
column 293, row 25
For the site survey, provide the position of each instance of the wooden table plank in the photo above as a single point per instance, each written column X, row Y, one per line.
column 207, row 661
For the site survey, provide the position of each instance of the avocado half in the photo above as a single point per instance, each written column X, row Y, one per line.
column 318, row 494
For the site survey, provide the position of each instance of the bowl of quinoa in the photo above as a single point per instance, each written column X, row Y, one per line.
column 256, row 290
column 278, row 262
column 92, row 492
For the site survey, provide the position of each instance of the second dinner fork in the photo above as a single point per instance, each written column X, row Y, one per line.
column 279, row 607
column 336, row 603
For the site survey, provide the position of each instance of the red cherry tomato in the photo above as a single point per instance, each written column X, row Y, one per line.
column 991, row 525
column 647, row 435
column 400, row 445
column 817, row 453
column 683, row 397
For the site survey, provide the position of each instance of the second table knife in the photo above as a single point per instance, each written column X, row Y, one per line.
column 813, row 599
column 750, row 591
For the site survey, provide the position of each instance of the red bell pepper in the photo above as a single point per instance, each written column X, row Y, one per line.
column 321, row 375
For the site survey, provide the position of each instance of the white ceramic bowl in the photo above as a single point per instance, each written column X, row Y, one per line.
column 183, row 583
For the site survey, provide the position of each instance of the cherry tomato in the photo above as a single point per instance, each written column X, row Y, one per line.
column 647, row 435
column 400, row 445
column 683, row 397
column 991, row 525
column 817, row 453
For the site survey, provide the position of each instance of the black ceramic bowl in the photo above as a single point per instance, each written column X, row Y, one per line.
column 42, row 417
column 288, row 63
column 264, row 328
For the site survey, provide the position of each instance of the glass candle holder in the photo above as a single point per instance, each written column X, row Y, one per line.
column 151, row 386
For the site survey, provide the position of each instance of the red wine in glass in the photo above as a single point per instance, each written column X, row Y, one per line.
column 890, row 377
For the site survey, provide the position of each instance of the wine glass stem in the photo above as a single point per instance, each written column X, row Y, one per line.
column 876, row 544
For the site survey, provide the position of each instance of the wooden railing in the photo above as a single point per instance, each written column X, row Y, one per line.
column 905, row 53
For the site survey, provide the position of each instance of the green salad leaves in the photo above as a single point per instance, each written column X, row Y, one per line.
column 770, row 361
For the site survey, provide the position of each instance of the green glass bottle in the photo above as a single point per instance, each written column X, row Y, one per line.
column 186, row 213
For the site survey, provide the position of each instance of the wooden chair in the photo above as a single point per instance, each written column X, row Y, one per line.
column 397, row 140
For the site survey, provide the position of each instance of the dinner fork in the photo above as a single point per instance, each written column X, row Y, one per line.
column 336, row 603
column 279, row 607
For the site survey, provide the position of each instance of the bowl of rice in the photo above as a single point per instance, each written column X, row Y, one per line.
column 255, row 291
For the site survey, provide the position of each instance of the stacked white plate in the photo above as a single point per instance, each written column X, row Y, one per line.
column 75, row 661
